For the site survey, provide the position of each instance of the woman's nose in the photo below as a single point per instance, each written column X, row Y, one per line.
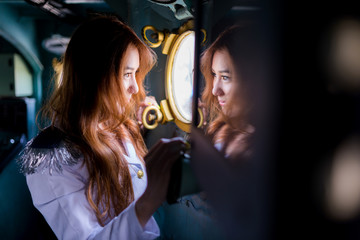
column 133, row 87
column 217, row 90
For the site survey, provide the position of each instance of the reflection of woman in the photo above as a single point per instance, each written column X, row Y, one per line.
column 233, row 67
column 225, row 68
column 86, row 171
column 193, row 217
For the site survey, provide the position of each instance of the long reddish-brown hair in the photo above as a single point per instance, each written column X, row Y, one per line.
column 239, row 41
column 90, row 106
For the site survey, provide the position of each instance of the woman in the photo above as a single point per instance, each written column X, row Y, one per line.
column 86, row 171
column 230, row 127
column 230, row 72
column 234, row 67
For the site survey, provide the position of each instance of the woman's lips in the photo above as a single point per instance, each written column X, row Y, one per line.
column 221, row 102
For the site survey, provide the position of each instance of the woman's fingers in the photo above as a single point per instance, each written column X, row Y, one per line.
column 149, row 101
column 162, row 156
column 167, row 143
column 166, row 147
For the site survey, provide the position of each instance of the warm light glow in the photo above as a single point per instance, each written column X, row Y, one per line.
column 343, row 186
column 183, row 76
column 345, row 55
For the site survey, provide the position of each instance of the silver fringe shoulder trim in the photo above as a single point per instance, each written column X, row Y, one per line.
column 34, row 160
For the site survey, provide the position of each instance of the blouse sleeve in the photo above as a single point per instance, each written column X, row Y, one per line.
column 61, row 199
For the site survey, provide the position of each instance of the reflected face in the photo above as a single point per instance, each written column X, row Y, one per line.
column 223, row 72
column 130, row 67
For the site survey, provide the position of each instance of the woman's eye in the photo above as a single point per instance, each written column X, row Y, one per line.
column 225, row 78
column 127, row 75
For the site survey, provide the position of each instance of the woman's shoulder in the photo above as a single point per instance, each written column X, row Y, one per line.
column 49, row 151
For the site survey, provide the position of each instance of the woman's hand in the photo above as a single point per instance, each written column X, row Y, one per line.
column 159, row 161
column 149, row 101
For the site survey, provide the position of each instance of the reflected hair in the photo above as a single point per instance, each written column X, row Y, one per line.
column 91, row 107
column 241, row 42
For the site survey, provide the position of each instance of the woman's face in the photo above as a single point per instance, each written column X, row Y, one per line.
column 130, row 67
column 223, row 77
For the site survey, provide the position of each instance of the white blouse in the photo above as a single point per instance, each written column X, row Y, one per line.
column 60, row 197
